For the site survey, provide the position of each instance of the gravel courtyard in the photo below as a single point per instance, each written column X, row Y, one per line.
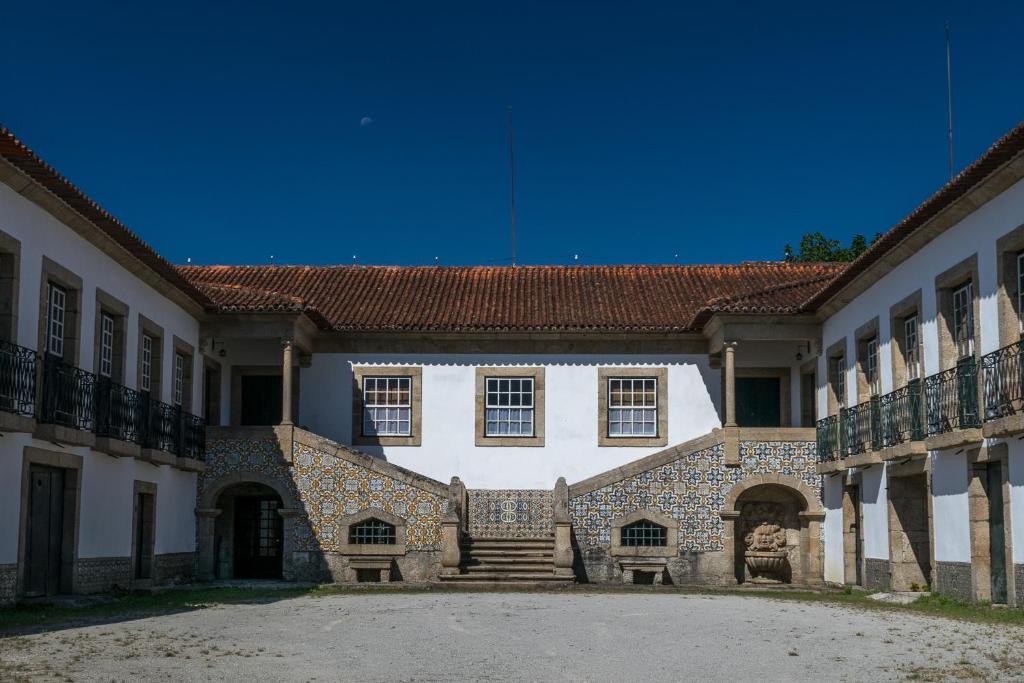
column 521, row 636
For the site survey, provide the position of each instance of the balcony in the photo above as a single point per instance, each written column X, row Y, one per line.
column 18, row 368
column 951, row 400
column 1003, row 391
column 76, row 407
column 901, row 428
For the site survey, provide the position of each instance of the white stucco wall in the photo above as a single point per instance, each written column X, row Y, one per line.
column 1016, row 478
column 832, row 495
column 571, row 430
column 875, row 512
column 951, row 532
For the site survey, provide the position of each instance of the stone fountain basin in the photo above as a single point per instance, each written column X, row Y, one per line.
column 766, row 561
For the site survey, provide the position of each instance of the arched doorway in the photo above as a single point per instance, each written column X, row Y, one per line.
column 773, row 529
column 248, row 533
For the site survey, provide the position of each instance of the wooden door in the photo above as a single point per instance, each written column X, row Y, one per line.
column 144, row 535
column 258, row 538
column 758, row 402
column 45, row 532
column 996, row 532
column 261, row 400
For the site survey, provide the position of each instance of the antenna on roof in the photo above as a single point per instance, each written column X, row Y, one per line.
column 271, row 259
column 949, row 101
column 437, row 260
column 512, row 183
column 188, row 259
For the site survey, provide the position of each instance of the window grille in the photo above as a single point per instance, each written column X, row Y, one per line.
column 57, row 298
column 387, row 406
column 912, row 349
column 963, row 320
column 146, row 380
column 269, row 523
column 644, row 534
column 871, row 370
column 372, row 532
column 106, row 345
column 509, row 406
column 179, row 378
column 632, row 406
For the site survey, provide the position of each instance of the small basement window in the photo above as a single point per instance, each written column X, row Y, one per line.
column 644, row 534
column 372, row 532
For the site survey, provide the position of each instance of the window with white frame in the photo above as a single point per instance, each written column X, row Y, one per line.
column 839, row 380
column 509, row 406
column 146, row 364
column 1020, row 290
column 963, row 320
column 387, row 406
column 179, row 378
column 911, row 348
column 632, row 406
column 56, row 309
column 106, row 345
column 871, row 367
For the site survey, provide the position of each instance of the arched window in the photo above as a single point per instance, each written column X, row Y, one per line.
column 372, row 532
column 644, row 533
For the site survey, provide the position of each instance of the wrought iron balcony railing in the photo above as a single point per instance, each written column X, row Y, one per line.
column 1003, row 381
column 951, row 398
column 17, row 379
column 828, row 438
column 119, row 411
column 859, row 423
column 901, row 415
column 68, row 395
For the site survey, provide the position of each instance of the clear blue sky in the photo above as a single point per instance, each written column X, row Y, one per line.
column 229, row 132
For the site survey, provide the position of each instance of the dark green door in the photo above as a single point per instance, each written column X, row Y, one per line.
column 996, row 531
column 45, row 532
column 261, row 400
column 758, row 403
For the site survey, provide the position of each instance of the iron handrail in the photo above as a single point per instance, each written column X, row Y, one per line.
column 68, row 395
column 1003, row 381
column 901, row 418
column 951, row 397
column 119, row 412
column 828, row 439
column 18, row 368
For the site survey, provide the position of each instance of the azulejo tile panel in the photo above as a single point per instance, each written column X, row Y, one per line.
column 691, row 489
column 510, row 513
column 329, row 488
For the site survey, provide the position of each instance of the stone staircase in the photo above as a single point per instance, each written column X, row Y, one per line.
column 508, row 561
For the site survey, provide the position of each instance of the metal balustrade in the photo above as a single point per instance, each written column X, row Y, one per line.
column 18, row 368
column 119, row 412
column 901, row 415
column 828, row 439
column 951, row 397
column 859, row 428
column 68, row 395
column 1003, row 382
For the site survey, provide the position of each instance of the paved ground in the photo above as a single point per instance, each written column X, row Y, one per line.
column 536, row 637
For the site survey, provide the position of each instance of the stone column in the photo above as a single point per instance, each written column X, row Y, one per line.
column 730, row 384
column 564, row 557
column 286, row 382
column 206, row 560
column 811, row 549
column 451, row 528
column 729, row 517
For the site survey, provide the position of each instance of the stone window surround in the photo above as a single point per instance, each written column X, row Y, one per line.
column 58, row 274
column 945, row 283
column 606, row 373
column 671, row 547
column 118, row 310
column 361, row 372
column 898, row 313
column 137, row 488
column 148, row 327
column 10, row 248
column 72, row 516
column 180, row 346
column 837, row 351
column 240, row 371
column 1007, row 248
column 537, row 373
column 783, row 374
column 344, row 525
column 980, row 540
column 862, row 336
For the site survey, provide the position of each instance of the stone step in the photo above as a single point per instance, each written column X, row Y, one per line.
column 499, row 577
column 509, row 569
column 515, row 559
column 509, row 544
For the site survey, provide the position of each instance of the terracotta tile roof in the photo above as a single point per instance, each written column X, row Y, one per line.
column 1002, row 151
column 525, row 298
column 28, row 162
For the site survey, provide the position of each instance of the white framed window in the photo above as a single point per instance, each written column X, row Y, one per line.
column 106, row 345
column 963, row 320
column 912, row 349
column 1020, row 290
column 387, row 406
column 871, row 367
column 632, row 406
column 56, row 309
column 839, row 380
column 179, row 378
column 146, row 377
column 509, row 406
